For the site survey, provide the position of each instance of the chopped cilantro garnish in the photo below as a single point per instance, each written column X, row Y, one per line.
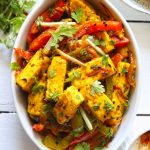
column 124, row 70
column 63, row 30
column 52, row 73
column 108, row 132
column 112, row 42
column 77, row 15
column 78, row 97
column 51, row 11
column 54, row 96
column 75, row 74
column 108, row 107
column 98, row 148
column 37, row 88
column 105, row 60
column 100, row 43
column 97, row 88
column 76, row 132
column 14, row 66
column 126, row 103
column 39, row 20
column 82, row 146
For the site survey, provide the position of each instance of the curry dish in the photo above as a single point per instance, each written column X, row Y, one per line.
column 77, row 71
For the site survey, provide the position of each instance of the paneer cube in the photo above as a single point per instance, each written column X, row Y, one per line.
column 94, row 70
column 67, row 104
column 118, row 111
column 33, row 69
column 99, row 104
column 56, row 75
column 36, row 97
column 119, row 80
column 88, row 10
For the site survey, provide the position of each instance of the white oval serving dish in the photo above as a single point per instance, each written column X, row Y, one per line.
column 20, row 99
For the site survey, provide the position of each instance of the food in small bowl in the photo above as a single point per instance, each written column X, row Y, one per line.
column 76, row 67
column 142, row 143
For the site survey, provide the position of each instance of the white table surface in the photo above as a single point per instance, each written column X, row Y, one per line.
column 12, row 135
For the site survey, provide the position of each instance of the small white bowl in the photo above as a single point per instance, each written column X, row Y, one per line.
column 20, row 99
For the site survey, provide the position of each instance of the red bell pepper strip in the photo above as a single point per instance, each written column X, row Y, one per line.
column 40, row 41
column 131, row 72
column 24, row 54
column 117, row 58
column 38, row 127
column 120, row 43
column 91, row 28
column 84, row 137
column 58, row 10
column 47, row 17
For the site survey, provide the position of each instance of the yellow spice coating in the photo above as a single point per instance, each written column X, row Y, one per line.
column 68, row 104
column 56, row 75
column 27, row 77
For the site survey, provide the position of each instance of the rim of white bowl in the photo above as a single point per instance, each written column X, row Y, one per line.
column 136, row 50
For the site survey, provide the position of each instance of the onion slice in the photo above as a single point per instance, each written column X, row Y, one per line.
column 68, row 57
column 98, row 49
column 86, row 119
column 56, row 24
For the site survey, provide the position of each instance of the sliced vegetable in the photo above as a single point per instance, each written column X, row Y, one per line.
column 131, row 72
column 56, row 24
column 86, row 119
column 120, row 43
column 84, row 137
column 40, row 41
column 15, row 66
column 91, row 28
column 98, row 49
column 24, row 54
column 38, row 127
column 70, row 58
column 117, row 58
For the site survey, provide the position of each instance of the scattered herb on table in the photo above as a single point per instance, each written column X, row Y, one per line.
column 12, row 15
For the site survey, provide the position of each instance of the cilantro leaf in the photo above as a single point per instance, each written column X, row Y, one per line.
column 124, row 70
column 37, row 88
column 108, row 107
column 100, row 43
column 105, row 60
column 14, row 66
column 75, row 74
column 77, row 15
column 54, row 96
column 63, row 30
column 52, row 73
column 82, row 146
column 76, row 132
column 97, row 88
column 39, row 20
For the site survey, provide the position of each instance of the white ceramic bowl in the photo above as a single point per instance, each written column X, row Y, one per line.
column 20, row 99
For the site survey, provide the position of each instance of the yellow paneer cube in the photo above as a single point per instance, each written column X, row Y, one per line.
column 36, row 65
column 119, row 80
column 94, row 70
column 67, row 104
column 88, row 10
column 99, row 104
column 36, row 97
column 118, row 111
column 56, row 75
column 108, row 46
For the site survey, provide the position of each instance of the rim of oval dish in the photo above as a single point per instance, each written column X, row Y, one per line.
column 132, row 112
